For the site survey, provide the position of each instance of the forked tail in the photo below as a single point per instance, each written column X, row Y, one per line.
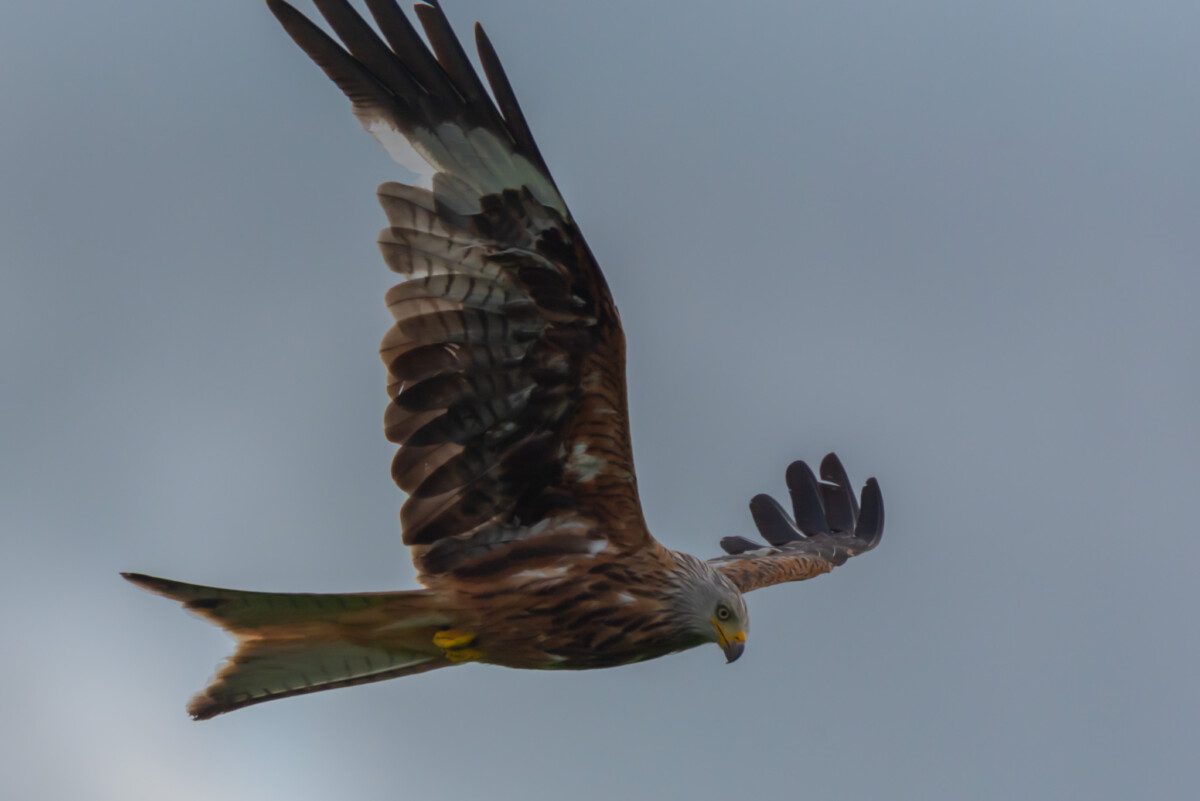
column 294, row 643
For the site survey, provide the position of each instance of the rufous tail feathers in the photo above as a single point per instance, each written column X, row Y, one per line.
column 295, row 643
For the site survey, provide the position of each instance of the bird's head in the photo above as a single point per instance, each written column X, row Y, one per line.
column 710, row 606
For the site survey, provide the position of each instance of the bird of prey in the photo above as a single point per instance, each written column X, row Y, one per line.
column 506, row 385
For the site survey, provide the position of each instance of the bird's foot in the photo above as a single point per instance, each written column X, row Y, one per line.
column 454, row 643
column 464, row 655
column 452, row 639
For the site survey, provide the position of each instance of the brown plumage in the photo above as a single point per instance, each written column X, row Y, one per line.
column 506, row 380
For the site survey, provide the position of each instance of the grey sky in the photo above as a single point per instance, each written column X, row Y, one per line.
column 955, row 242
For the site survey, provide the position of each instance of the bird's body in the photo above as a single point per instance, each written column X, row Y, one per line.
column 577, row 614
column 506, row 384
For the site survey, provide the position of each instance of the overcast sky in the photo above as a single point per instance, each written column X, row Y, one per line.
column 958, row 243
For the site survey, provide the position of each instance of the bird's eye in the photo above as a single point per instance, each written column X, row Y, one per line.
column 723, row 612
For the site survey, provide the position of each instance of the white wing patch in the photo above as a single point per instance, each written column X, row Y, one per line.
column 480, row 163
column 583, row 465
column 401, row 150
column 541, row 573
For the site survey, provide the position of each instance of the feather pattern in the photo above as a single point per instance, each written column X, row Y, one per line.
column 506, row 358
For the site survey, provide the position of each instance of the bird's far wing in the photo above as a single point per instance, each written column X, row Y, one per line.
column 829, row 527
column 506, row 363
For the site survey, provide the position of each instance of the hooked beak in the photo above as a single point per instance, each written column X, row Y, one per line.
column 732, row 644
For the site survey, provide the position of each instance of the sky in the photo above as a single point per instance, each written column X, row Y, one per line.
column 954, row 242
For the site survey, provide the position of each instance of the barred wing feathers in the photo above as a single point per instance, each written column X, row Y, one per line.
column 506, row 363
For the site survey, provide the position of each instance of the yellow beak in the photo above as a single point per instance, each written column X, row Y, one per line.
column 732, row 644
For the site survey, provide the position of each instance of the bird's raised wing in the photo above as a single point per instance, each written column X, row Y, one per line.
column 506, row 363
column 829, row 527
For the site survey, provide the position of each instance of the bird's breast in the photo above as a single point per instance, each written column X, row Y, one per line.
column 575, row 623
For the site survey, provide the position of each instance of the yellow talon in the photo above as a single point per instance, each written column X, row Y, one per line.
column 452, row 639
column 464, row 655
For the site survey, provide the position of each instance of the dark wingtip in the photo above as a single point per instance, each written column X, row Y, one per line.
column 870, row 520
column 736, row 545
column 841, row 507
column 772, row 521
column 818, row 505
column 281, row 9
column 832, row 467
column 806, row 499
column 832, row 470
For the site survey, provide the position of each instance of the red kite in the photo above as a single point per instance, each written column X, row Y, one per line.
column 506, row 380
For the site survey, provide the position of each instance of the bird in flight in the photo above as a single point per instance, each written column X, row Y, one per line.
column 506, row 386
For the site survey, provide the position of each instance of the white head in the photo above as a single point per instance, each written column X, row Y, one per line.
column 709, row 606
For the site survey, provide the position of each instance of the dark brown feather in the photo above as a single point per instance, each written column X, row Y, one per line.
column 406, row 43
column 451, row 56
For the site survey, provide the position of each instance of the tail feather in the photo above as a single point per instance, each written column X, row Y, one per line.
column 295, row 643
column 264, row 670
